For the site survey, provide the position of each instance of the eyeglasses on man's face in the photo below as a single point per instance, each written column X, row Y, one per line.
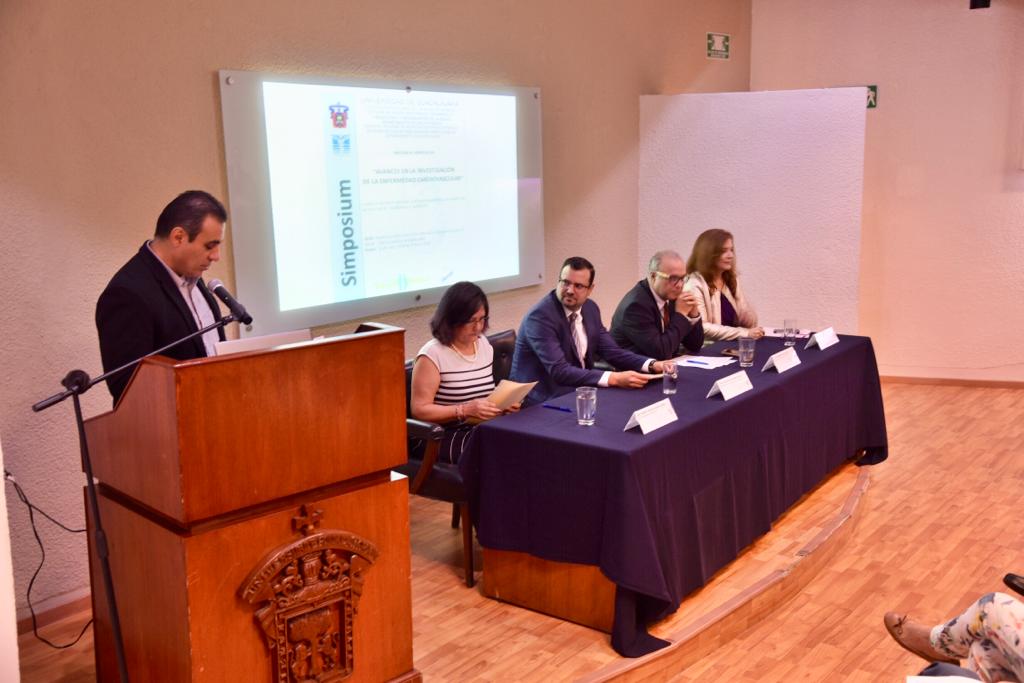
column 578, row 286
column 674, row 280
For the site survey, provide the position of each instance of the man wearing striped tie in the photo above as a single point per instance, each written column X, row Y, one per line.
column 657, row 317
column 562, row 337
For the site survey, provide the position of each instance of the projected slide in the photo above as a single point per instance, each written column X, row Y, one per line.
column 375, row 191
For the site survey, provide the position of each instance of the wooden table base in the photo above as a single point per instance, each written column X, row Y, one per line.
column 575, row 592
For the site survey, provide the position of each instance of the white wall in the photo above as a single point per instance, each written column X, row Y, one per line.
column 782, row 171
column 110, row 108
column 8, row 622
column 941, row 250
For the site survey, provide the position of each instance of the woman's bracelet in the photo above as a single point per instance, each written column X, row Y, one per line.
column 460, row 411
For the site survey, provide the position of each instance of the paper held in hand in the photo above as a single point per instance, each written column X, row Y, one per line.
column 652, row 417
column 507, row 394
column 824, row 339
column 731, row 386
column 783, row 360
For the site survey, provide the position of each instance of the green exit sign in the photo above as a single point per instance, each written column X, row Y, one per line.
column 872, row 96
column 718, row 46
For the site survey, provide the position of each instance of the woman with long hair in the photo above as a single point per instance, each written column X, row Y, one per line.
column 711, row 276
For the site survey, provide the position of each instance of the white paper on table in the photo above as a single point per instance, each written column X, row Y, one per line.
column 731, row 386
column 652, row 417
column 824, row 339
column 802, row 333
column 703, row 362
column 783, row 360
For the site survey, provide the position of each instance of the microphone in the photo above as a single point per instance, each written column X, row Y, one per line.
column 237, row 309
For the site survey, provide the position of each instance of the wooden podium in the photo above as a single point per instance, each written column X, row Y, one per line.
column 256, row 531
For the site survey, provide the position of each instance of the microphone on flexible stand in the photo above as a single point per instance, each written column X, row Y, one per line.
column 76, row 383
column 237, row 309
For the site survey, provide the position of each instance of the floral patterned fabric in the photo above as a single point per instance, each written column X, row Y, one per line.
column 988, row 636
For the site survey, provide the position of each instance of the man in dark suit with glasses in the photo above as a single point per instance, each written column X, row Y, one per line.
column 562, row 337
column 657, row 318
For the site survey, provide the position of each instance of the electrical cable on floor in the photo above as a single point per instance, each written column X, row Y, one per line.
column 32, row 509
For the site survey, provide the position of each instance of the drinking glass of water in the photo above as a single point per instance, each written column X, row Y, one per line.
column 789, row 331
column 747, row 351
column 586, row 405
column 668, row 380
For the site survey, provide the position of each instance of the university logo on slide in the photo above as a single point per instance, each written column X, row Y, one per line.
column 341, row 144
column 339, row 115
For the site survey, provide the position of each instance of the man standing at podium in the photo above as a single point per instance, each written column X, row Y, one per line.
column 159, row 296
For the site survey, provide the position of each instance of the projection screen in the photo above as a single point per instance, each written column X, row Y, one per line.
column 350, row 199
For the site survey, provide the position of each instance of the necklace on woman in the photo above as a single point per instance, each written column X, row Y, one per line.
column 468, row 359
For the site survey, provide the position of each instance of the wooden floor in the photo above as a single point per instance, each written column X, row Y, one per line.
column 941, row 526
column 938, row 526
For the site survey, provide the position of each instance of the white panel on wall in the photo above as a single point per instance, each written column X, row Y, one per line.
column 8, row 625
column 782, row 171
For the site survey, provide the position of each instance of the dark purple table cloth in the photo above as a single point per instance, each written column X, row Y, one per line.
column 661, row 513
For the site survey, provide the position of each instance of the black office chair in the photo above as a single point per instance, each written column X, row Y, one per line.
column 440, row 480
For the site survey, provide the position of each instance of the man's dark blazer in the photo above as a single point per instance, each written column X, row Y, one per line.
column 636, row 326
column 545, row 352
column 141, row 310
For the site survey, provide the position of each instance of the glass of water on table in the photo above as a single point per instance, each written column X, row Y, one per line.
column 746, row 351
column 789, row 331
column 669, row 378
column 586, row 405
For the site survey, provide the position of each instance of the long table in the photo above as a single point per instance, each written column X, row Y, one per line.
column 660, row 513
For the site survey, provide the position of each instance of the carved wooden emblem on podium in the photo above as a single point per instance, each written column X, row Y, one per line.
column 307, row 594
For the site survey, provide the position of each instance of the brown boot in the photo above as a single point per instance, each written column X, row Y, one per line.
column 915, row 638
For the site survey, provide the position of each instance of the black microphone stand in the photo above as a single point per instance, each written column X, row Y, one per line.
column 76, row 383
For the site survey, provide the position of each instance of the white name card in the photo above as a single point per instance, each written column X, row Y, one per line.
column 652, row 417
column 824, row 339
column 783, row 360
column 731, row 386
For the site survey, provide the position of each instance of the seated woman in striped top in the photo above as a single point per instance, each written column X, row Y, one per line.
column 452, row 376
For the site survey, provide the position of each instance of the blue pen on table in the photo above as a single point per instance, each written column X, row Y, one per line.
column 695, row 362
column 554, row 407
